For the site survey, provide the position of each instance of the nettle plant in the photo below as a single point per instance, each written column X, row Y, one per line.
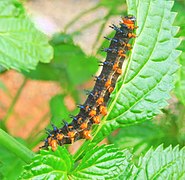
column 140, row 94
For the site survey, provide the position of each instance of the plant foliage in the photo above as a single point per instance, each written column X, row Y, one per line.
column 108, row 162
column 140, row 94
column 22, row 45
column 149, row 76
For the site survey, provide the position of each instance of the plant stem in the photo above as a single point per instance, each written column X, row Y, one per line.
column 80, row 151
column 82, row 28
column 86, row 145
column 79, row 16
column 15, row 147
column 106, row 18
column 14, row 101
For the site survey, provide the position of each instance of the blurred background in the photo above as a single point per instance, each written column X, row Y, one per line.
column 29, row 101
column 75, row 28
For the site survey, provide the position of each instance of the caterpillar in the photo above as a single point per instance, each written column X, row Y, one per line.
column 95, row 105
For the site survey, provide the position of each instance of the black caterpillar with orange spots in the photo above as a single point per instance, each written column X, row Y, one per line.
column 96, row 102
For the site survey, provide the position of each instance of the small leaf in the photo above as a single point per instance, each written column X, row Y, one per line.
column 161, row 164
column 49, row 165
column 104, row 162
column 22, row 45
column 68, row 64
column 58, row 110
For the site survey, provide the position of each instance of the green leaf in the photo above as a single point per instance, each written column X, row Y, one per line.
column 68, row 64
column 22, row 45
column 104, row 162
column 149, row 76
column 161, row 164
column 49, row 165
column 138, row 137
column 58, row 110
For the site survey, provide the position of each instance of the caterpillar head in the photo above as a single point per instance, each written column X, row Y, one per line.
column 129, row 19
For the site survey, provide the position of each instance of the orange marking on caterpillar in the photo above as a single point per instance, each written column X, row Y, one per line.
column 129, row 47
column 87, row 134
column 59, row 137
column 122, row 54
column 79, row 120
column 108, row 83
column 53, row 144
column 115, row 66
column 131, row 35
column 96, row 119
column 126, row 45
column 87, row 108
column 110, row 89
column 70, row 127
column 103, row 110
column 100, row 101
column 84, row 125
column 49, row 140
column 71, row 134
column 119, row 71
column 129, row 21
column 92, row 113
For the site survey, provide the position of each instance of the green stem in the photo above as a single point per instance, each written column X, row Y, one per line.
column 14, row 101
column 79, row 16
column 15, row 147
column 106, row 18
column 86, row 145
column 80, row 151
column 86, row 26
column 101, row 29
